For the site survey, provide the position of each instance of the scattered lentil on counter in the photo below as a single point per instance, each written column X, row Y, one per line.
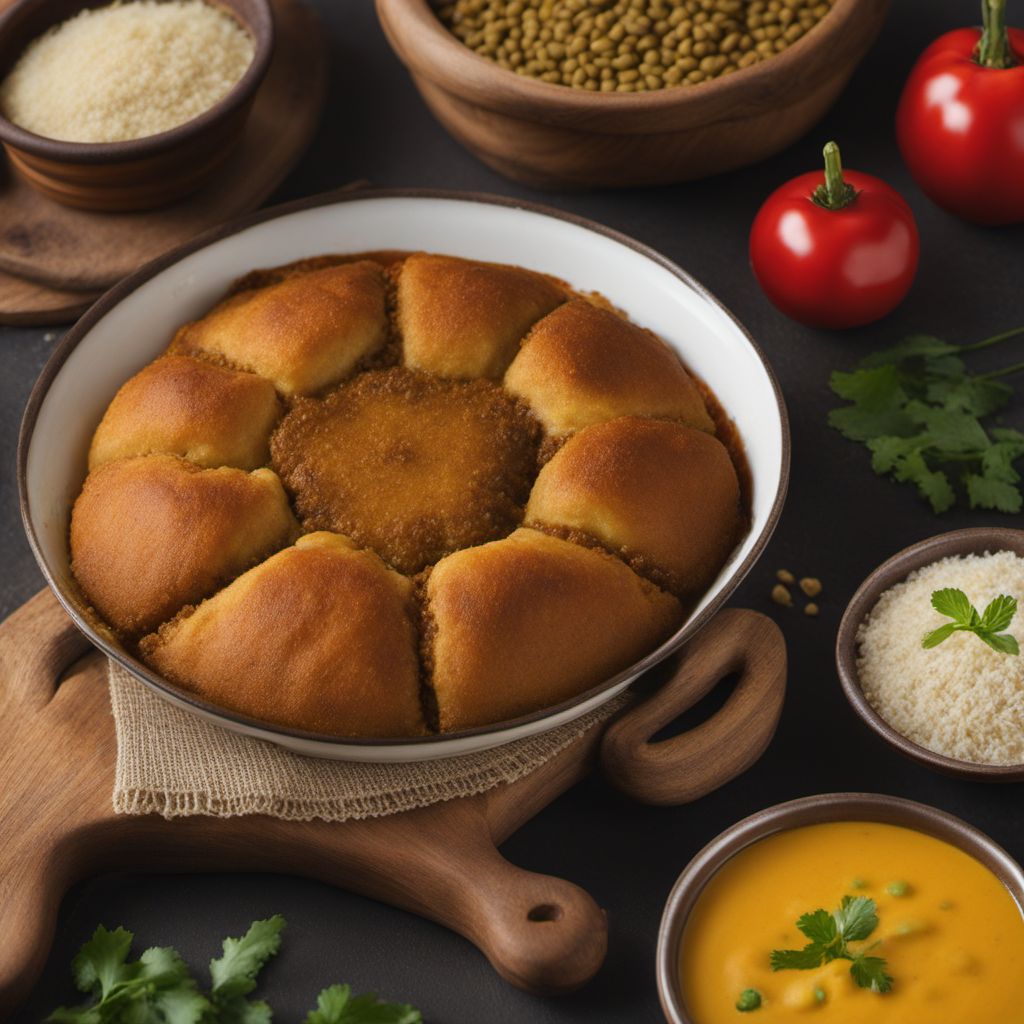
column 629, row 45
column 126, row 71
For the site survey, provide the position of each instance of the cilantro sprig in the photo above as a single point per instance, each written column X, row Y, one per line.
column 159, row 988
column 988, row 626
column 830, row 934
column 925, row 419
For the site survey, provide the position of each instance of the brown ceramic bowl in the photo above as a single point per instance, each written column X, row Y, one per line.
column 138, row 174
column 553, row 135
column 812, row 810
column 895, row 570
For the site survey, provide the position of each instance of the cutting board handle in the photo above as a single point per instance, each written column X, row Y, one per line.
column 692, row 764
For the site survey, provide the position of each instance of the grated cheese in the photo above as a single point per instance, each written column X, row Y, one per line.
column 962, row 698
column 126, row 71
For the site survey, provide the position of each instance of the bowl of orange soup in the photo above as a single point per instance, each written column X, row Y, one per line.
column 846, row 908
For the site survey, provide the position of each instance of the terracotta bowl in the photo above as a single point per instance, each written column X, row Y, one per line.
column 895, row 570
column 552, row 135
column 141, row 173
column 811, row 810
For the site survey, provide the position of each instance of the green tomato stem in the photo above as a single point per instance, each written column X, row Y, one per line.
column 994, row 340
column 835, row 193
column 993, row 49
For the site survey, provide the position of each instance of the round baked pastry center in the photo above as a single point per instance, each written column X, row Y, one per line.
column 410, row 465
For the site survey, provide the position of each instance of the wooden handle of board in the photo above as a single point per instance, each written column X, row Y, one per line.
column 40, row 793
column 692, row 764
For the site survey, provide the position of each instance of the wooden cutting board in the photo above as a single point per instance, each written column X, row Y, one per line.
column 542, row 934
column 55, row 260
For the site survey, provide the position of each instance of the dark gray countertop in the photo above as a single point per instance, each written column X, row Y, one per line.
column 840, row 521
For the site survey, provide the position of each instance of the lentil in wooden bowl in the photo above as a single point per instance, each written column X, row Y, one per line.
column 700, row 99
column 86, row 132
column 980, row 705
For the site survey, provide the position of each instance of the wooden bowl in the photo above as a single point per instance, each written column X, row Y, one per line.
column 813, row 810
column 895, row 570
column 552, row 135
column 138, row 174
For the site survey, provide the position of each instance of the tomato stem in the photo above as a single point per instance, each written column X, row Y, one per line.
column 835, row 193
column 993, row 49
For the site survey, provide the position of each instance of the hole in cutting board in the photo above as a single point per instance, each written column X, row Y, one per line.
column 705, row 708
column 544, row 912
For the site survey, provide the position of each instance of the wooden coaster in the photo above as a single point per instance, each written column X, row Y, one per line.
column 75, row 254
column 24, row 303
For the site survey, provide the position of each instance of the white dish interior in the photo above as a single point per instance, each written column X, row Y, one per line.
column 137, row 329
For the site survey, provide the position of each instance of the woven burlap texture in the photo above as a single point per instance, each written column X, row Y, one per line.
column 173, row 763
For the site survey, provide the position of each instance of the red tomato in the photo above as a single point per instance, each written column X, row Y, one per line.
column 839, row 262
column 960, row 122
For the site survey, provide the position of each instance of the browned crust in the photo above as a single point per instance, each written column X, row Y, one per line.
column 318, row 637
column 585, row 614
column 369, row 460
column 151, row 534
column 209, row 414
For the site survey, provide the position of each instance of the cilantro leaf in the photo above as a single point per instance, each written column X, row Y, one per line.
column 181, row 1005
column 952, row 602
column 101, row 961
column 956, row 605
column 910, row 347
column 974, row 395
column 856, row 918
column 1004, row 643
column 993, row 493
column 999, row 613
column 158, row 989
column 819, row 926
column 919, row 412
column 234, row 972
column 870, row 972
column 805, row 959
column 931, row 484
column 337, row 1005
column 936, row 636
column 878, row 404
column 853, row 920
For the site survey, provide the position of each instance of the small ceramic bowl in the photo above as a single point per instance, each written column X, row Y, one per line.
column 895, row 570
column 813, row 810
column 138, row 174
column 552, row 135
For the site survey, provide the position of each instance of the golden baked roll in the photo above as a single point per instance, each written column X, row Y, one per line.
column 461, row 318
column 582, row 365
column 663, row 496
column 208, row 414
column 303, row 334
column 318, row 637
column 152, row 534
column 526, row 622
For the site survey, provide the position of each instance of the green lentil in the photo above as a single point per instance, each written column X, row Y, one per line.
column 629, row 45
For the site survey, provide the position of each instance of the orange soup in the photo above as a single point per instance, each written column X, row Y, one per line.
column 944, row 931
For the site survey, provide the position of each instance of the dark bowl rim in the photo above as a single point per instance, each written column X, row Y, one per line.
column 809, row 810
column 892, row 571
column 129, row 284
column 460, row 63
column 64, row 151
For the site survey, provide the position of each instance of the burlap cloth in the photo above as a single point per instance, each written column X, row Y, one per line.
column 173, row 763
